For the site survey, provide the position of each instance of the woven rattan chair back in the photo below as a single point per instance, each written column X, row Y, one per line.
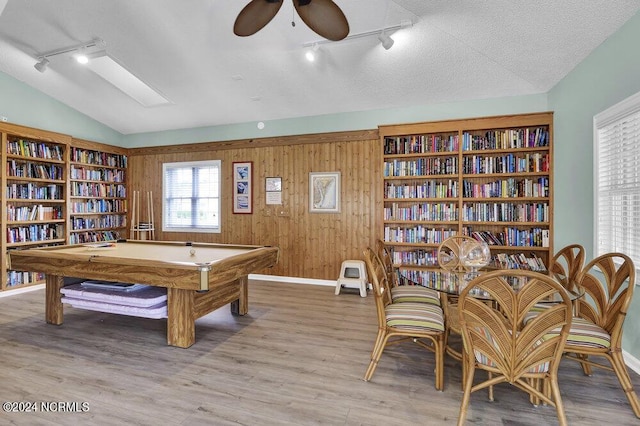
column 449, row 253
column 567, row 264
column 504, row 339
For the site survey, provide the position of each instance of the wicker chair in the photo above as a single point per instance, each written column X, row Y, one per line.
column 403, row 293
column 597, row 329
column 401, row 322
column 449, row 260
column 512, row 347
column 567, row 264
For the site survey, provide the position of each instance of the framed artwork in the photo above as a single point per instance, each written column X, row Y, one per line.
column 242, row 187
column 273, row 184
column 324, row 192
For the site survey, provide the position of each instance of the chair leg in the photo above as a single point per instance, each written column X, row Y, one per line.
column 439, row 356
column 466, row 396
column 617, row 362
column 586, row 368
column 378, row 348
column 557, row 399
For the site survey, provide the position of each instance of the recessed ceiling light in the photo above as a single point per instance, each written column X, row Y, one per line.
column 256, row 98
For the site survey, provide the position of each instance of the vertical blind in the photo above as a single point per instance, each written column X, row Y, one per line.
column 617, row 189
column 191, row 196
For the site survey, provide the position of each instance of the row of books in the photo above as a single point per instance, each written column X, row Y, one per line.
column 109, row 221
column 16, row 278
column 93, row 236
column 517, row 261
column 36, row 212
column 508, row 163
column 35, row 233
column 420, row 144
column 505, row 212
column 34, row 191
column 90, row 189
column 421, row 167
column 424, row 189
column 109, row 175
column 512, row 237
column 422, row 211
column 506, row 139
column 35, row 149
column 416, row 234
column 507, row 188
column 34, row 170
column 416, row 257
column 99, row 158
column 99, row 206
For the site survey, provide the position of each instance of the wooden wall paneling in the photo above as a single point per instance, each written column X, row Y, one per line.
column 312, row 245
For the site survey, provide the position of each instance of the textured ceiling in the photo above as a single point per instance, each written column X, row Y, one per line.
column 456, row 50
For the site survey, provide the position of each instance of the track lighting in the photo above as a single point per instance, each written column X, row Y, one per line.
column 81, row 53
column 386, row 40
column 312, row 53
column 42, row 65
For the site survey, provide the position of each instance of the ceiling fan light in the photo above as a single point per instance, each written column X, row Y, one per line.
column 386, row 40
column 42, row 64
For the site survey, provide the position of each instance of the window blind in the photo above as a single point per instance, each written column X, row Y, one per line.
column 191, row 196
column 617, row 189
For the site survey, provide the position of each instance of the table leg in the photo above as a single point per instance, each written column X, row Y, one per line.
column 240, row 306
column 53, row 299
column 181, row 327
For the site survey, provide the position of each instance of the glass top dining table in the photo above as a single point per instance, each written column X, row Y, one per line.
column 453, row 282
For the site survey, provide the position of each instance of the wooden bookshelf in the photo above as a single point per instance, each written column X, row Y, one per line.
column 98, row 192
column 490, row 177
column 34, row 195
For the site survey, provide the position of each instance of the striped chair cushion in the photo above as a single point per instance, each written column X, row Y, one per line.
column 415, row 316
column 481, row 358
column 583, row 333
column 414, row 293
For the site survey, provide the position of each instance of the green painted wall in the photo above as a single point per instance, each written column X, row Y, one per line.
column 26, row 106
column 607, row 76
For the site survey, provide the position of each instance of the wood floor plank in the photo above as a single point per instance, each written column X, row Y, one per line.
column 297, row 358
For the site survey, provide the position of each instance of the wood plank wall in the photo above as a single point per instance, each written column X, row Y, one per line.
column 312, row 245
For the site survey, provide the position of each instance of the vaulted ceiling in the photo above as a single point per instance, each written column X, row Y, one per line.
column 455, row 50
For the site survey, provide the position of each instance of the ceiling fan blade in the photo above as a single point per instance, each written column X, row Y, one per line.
column 324, row 17
column 255, row 16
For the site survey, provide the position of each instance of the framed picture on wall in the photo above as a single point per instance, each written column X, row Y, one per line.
column 324, row 192
column 243, row 187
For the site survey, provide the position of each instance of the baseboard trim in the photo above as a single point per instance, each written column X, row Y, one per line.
column 14, row 291
column 631, row 361
column 294, row 280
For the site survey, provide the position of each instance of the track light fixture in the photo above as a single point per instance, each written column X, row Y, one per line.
column 382, row 33
column 386, row 40
column 42, row 64
column 81, row 50
column 312, row 53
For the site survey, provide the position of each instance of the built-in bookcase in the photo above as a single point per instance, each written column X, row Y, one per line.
column 34, row 197
column 98, row 192
column 491, row 178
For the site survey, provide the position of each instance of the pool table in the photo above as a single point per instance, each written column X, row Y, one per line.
column 199, row 277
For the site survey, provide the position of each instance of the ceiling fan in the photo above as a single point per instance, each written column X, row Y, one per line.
column 324, row 17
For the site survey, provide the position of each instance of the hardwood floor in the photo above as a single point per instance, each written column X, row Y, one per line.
column 297, row 358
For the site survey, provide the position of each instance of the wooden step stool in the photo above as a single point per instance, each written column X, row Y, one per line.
column 353, row 273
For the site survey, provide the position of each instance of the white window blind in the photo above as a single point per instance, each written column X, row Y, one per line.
column 617, row 173
column 191, row 196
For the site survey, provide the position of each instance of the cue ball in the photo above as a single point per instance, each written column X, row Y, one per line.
column 192, row 252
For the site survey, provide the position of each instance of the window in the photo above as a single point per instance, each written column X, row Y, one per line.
column 617, row 179
column 191, row 196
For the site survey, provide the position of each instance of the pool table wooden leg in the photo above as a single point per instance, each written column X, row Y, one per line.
column 240, row 306
column 181, row 327
column 53, row 303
